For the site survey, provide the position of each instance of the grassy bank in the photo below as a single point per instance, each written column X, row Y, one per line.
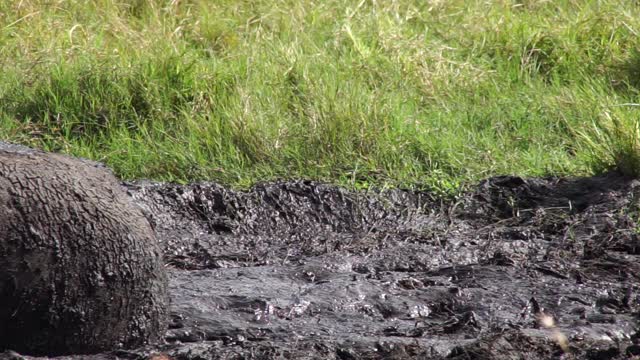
column 414, row 93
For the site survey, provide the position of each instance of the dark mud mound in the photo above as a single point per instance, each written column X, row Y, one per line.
column 515, row 269
column 80, row 268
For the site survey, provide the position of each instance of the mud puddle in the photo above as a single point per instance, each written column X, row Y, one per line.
column 515, row 269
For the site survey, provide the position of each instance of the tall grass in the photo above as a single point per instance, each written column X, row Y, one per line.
column 430, row 94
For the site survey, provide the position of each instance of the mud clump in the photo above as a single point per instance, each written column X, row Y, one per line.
column 514, row 269
column 80, row 268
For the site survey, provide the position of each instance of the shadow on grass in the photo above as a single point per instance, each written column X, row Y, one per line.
column 625, row 77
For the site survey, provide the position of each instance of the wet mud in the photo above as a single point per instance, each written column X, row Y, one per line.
column 514, row 269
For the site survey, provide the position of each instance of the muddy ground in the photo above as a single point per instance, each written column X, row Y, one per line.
column 514, row 269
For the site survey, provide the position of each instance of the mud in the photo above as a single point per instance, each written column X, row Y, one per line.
column 514, row 269
column 80, row 266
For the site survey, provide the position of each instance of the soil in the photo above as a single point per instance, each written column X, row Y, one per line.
column 514, row 269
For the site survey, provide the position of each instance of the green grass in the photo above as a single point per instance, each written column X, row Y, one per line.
column 428, row 94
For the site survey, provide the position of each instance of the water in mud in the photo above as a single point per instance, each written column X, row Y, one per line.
column 514, row 269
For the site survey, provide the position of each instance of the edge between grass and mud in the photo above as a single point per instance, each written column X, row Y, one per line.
column 429, row 95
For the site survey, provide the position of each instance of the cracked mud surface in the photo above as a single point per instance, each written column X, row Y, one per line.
column 514, row 269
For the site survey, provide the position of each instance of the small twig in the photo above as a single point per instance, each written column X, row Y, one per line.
column 626, row 104
column 549, row 208
column 22, row 19
column 349, row 16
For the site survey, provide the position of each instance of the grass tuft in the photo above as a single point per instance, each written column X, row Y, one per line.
column 613, row 144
